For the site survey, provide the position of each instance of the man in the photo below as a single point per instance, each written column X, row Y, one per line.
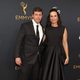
column 28, row 46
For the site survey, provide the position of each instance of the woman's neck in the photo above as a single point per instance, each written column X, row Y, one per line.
column 54, row 25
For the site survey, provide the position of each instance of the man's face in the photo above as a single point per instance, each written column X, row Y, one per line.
column 37, row 16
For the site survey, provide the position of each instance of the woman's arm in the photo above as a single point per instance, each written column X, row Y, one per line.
column 65, row 45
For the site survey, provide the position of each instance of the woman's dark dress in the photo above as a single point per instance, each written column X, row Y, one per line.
column 54, row 54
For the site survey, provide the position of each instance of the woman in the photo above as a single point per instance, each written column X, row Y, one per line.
column 56, row 54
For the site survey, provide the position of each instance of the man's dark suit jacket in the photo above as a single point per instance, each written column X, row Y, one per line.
column 27, row 47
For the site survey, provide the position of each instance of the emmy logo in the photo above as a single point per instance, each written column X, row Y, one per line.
column 24, row 7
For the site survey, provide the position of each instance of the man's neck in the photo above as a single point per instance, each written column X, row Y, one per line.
column 35, row 21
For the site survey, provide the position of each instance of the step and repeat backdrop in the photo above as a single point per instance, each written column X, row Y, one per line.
column 15, row 12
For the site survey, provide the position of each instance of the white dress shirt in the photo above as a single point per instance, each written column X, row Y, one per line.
column 40, row 30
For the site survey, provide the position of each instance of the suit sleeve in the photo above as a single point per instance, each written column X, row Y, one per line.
column 19, row 40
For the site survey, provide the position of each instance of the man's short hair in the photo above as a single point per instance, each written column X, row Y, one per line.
column 38, row 9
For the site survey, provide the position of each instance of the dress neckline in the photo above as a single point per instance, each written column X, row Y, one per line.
column 54, row 27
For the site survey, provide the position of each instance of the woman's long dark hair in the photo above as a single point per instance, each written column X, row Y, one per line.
column 48, row 23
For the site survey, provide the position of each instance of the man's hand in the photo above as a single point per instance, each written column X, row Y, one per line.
column 18, row 61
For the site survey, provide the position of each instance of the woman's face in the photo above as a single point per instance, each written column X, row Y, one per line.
column 53, row 17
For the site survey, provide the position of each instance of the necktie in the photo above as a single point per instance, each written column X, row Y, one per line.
column 37, row 33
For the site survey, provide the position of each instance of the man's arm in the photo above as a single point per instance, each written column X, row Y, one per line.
column 18, row 45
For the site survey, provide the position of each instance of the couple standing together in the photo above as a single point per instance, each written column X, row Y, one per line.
column 38, row 48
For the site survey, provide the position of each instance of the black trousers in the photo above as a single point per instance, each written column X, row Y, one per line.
column 30, row 71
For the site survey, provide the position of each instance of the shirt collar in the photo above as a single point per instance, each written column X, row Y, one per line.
column 35, row 22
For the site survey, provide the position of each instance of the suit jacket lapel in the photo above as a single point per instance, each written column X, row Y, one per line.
column 32, row 28
column 42, row 40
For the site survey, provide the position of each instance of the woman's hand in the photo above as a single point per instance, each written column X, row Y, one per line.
column 66, row 61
